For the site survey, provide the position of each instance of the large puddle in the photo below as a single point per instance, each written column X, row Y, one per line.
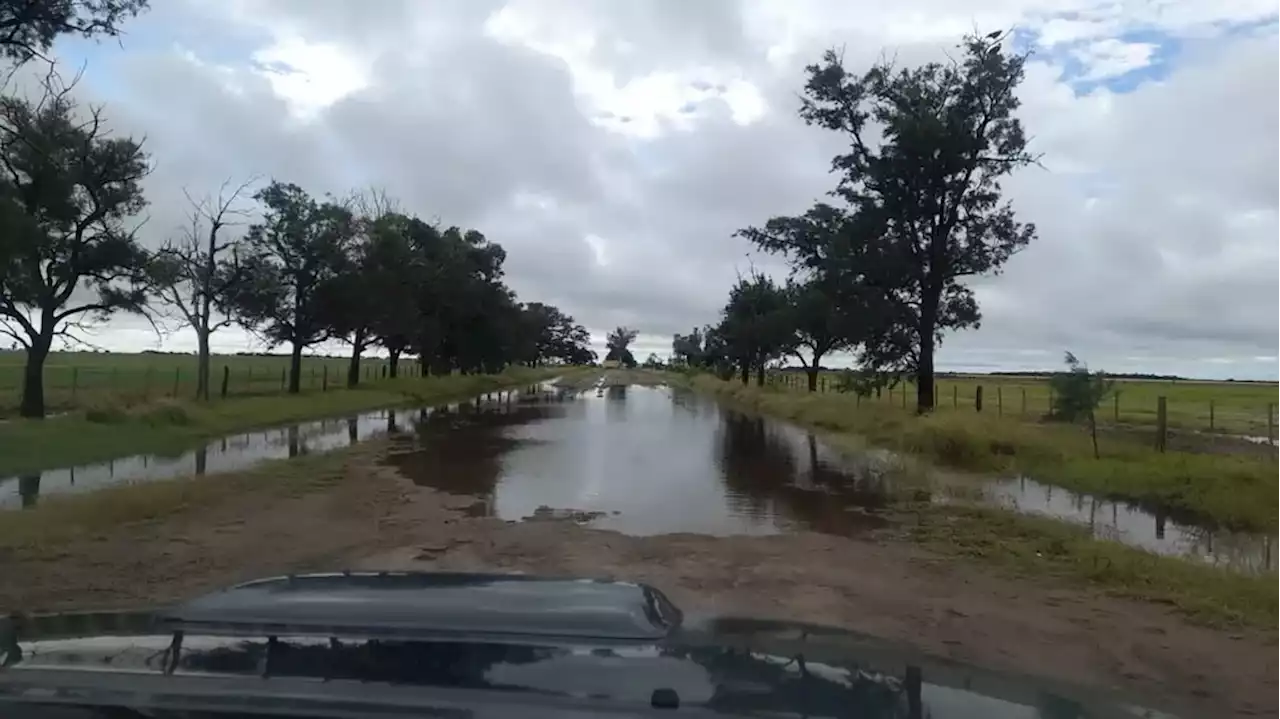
column 644, row 461
column 234, row 452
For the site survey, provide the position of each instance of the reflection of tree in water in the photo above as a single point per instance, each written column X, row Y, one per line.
column 29, row 489
column 760, row 466
column 450, row 664
column 460, row 451
column 616, row 402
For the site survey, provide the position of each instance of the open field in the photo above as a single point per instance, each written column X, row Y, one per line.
column 167, row 425
column 74, row 380
column 1202, row 405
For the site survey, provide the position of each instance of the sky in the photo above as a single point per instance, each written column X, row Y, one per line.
column 613, row 148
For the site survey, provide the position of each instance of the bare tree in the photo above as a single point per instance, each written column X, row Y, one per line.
column 195, row 273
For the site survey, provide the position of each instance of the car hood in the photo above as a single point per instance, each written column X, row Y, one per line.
column 611, row 643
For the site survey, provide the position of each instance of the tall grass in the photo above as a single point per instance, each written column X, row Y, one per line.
column 1235, row 492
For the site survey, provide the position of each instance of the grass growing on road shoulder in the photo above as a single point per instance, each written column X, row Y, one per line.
column 1236, row 492
column 1042, row 546
column 41, row 531
column 100, row 433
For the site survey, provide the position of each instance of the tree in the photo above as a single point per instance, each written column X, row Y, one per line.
column 197, row 273
column 67, row 253
column 820, row 327
column 932, row 184
column 29, row 27
column 618, row 342
column 551, row 335
column 298, row 247
column 756, row 325
column 1077, row 394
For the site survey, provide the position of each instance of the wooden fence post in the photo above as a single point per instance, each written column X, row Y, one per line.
column 904, row 395
column 1023, row 411
column 226, row 379
column 1115, row 407
column 282, row 373
column 1162, row 422
column 955, row 395
column 1271, row 423
column 312, row 383
column 1211, row 415
column 999, row 401
column 324, row 387
column 977, row 398
column 177, row 374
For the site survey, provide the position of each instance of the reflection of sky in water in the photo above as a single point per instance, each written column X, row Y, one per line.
column 228, row 454
column 1132, row 525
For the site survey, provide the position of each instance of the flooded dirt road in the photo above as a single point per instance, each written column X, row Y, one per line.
column 727, row 513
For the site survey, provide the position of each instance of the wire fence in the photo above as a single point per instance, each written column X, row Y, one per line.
column 74, row 386
column 1242, row 409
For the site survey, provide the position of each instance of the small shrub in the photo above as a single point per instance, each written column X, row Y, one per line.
column 105, row 415
column 162, row 414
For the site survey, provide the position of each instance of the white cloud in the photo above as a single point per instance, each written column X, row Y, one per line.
column 613, row 148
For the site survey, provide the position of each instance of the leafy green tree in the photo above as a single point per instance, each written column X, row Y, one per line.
column 1077, row 393
column 68, row 194
column 931, row 184
column 28, row 28
column 618, row 343
column 298, row 248
column 756, row 325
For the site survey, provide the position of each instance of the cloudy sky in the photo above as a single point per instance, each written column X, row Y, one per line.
column 613, row 147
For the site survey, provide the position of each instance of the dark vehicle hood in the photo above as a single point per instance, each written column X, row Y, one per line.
column 591, row 644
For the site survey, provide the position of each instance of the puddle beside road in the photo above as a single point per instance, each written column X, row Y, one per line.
column 235, row 452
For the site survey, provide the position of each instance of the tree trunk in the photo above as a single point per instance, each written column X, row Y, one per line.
column 202, row 364
column 813, row 375
column 924, row 370
column 746, row 373
column 353, row 367
column 393, row 367
column 295, row 369
column 760, row 375
column 32, row 406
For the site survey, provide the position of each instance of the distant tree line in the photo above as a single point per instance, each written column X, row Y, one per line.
column 304, row 271
column 880, row 272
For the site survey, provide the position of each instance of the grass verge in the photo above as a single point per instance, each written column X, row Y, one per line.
column 1233, row 492
column 101, row 433
column 1030, row 545
column 42, row 531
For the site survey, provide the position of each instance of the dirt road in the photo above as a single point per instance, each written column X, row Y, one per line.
column 373, row 518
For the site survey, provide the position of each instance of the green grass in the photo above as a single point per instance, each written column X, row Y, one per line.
column 74, row 380
column 1030, row 545
column 1237, row 407
column 1236, row 492
column 41, row 531
column 171, row 426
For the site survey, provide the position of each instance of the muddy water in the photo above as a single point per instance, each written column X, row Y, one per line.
column 643, row 461
column 1153, row 530
column 228, row 454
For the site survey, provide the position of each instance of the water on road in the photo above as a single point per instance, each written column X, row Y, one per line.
column 640, row 460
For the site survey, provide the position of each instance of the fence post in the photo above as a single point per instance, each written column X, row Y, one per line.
column 282, row 379
column 1211, row 415
column 1115, row 407
column 177, row 374
column 955, row 395
column 1162, row 422
column 324, row 387
column 312, row 384
column 1023, row 412
column 226, row 379
column 904, row 395
column 999, row 401
column 75, row 380
column 1271, row 424
column 977, row 398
